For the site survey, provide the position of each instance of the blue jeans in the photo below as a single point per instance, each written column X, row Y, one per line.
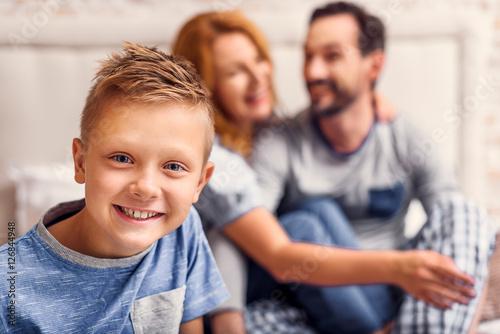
column 344, row 309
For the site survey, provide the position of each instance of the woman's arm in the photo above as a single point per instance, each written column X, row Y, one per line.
column 426, row 275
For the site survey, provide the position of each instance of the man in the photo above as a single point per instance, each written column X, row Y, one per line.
column 336, row 148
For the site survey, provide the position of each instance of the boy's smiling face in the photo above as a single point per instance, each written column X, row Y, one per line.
column 143, row 167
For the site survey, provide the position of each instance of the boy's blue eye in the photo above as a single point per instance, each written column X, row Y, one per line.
column 173, row 167
column 121, row 158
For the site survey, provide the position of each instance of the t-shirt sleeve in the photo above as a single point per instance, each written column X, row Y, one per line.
column 231, row 192
column 205, row 288
column 431, row 175
column 270, row 161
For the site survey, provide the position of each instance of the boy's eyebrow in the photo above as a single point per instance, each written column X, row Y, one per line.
column 118, row 142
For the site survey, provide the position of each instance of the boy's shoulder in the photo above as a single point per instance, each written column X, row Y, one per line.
column 14, row 242
column 186, row 235
column 31, row 240
column 24, row 246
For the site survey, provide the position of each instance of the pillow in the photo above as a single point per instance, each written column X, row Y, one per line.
column 38, row 188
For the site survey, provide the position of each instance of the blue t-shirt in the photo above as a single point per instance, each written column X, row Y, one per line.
column 54, row 289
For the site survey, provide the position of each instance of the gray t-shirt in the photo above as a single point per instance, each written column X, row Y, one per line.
column 231, row 192
column 373, row 185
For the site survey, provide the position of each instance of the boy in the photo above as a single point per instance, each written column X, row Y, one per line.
column 131, row 256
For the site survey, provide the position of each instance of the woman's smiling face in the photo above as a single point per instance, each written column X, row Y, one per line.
column 242, row 79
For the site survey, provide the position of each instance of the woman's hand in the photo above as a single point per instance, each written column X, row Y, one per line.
column 384, row 110
column 434, row 278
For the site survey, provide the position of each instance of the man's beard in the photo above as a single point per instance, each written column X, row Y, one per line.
column 342, row 99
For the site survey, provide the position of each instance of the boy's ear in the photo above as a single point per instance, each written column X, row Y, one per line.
column 206, row 174
column 79, row 160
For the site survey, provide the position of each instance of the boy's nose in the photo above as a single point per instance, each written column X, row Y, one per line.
column 145, row 187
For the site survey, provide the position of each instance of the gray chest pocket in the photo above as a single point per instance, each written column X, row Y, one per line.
column 160, row 313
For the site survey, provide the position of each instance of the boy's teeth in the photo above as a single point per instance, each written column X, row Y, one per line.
column 137, row 214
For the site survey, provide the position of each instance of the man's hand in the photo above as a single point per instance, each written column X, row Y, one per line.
column 434, row 278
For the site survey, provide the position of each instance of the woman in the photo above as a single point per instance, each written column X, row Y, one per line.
column 233, row 59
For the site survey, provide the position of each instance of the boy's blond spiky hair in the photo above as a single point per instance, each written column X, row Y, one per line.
column 145, row 75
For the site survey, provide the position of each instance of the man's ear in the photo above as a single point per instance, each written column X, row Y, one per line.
column 376, row 62
column 79, row 160
column 205, row 176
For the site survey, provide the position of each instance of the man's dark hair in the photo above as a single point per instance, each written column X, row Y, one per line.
column 371, row 29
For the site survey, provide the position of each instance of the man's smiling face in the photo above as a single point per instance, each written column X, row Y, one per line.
column 334, row 68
